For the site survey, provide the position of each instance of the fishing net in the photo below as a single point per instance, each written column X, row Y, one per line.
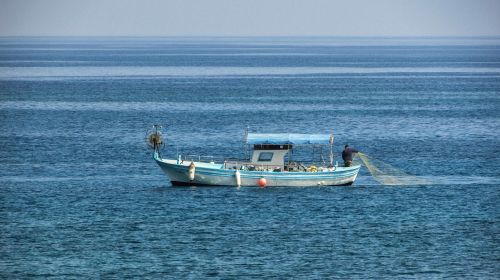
column 387, row 174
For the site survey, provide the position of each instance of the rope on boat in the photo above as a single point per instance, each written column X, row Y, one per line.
column 387, row 174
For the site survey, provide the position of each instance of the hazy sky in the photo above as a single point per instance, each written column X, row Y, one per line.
column 250, row 18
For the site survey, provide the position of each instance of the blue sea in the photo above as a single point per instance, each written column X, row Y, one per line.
column 81, row 197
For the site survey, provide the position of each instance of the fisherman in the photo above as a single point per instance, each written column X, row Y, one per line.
column 347, row 155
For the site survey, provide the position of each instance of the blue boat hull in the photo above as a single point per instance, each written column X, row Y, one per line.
column 207, row 174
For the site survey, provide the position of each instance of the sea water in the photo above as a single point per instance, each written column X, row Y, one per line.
column 80, row 195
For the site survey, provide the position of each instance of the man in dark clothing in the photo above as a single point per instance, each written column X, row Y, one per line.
column 347, row 155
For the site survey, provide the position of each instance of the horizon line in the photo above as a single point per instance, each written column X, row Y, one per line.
column 251, row 36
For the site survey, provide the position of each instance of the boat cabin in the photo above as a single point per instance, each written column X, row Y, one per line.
column 270, row 151
column 269, row 154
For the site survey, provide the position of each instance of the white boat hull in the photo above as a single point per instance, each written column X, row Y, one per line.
column 214, row 175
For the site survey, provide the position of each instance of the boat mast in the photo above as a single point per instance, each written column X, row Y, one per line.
column 245, row 141
column 331, row 148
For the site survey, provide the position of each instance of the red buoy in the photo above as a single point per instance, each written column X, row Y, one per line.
column 262, row 182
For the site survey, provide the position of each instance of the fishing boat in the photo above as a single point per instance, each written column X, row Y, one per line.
column 270, row 163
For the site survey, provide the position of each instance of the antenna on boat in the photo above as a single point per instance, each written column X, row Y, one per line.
column 154, row 138
column 330, row 141
column 245, row 141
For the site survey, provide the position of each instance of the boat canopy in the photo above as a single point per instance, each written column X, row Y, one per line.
column 289, row 138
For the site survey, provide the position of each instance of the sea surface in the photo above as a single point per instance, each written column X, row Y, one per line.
column 80, row 196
